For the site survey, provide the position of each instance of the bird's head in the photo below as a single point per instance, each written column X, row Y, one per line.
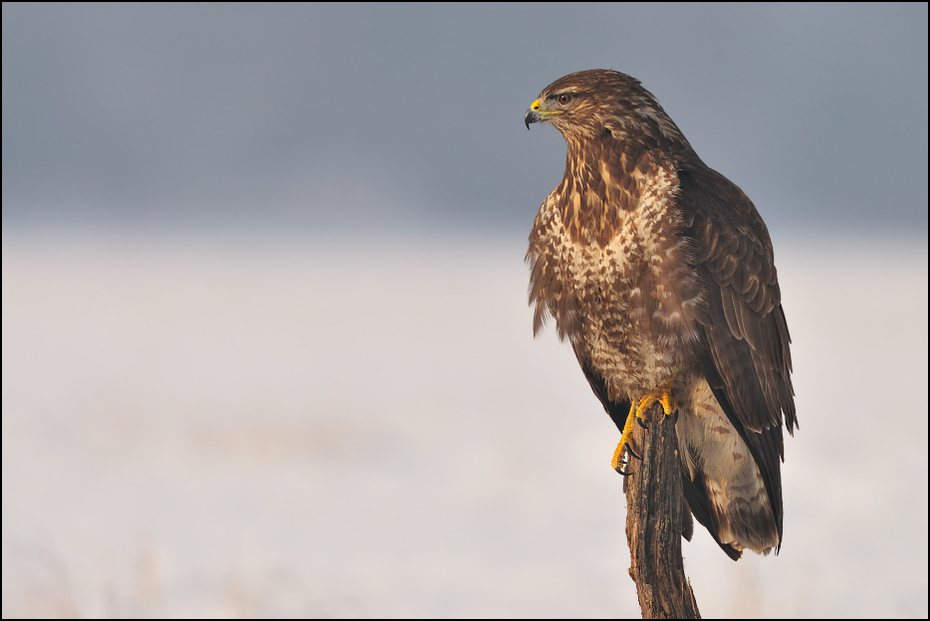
column 601, row 103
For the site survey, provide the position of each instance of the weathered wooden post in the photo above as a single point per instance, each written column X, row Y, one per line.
column 655, row 514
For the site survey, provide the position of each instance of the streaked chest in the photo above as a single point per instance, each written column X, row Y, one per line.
column 616, row 301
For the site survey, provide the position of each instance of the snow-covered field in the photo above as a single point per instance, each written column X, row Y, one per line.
column 258, row 426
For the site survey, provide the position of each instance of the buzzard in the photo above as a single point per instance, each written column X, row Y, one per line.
column 660, row 273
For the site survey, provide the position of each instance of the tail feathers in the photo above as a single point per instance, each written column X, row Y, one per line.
column 698, row 504
column 722, row 482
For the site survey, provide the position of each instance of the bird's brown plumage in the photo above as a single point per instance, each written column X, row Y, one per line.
column 656, row 267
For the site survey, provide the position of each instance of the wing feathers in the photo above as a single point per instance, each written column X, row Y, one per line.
column 745, row 325
column 747, row 363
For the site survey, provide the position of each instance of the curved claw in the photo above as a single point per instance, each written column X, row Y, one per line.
column 638, row 408
column 630, row 451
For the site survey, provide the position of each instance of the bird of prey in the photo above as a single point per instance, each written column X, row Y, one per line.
column 660, row 273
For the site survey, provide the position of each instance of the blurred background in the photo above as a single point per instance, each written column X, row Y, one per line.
column 266, row 346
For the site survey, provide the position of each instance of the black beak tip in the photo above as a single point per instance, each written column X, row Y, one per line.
column 531, row 117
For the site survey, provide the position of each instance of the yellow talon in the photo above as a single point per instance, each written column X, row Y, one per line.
column 617, row 462
column 662, row 395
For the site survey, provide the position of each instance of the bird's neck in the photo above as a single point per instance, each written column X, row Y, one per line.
column 603, row 178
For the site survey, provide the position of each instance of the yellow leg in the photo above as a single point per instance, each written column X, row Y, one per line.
column 662, row 395
column 617, row 462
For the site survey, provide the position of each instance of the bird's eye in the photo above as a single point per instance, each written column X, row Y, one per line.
column 564, row 98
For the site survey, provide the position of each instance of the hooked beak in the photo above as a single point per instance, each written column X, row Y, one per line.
column 533, row 115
